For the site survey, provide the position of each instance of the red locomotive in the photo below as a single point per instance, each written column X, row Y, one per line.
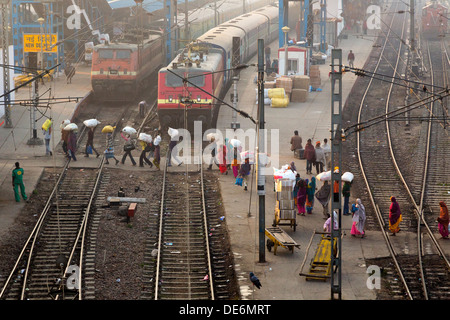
column 434, row 20
column 119, row 70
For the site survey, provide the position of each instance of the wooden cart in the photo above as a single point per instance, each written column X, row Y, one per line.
column 320, row 267
column 289, row 218
column 278, row 237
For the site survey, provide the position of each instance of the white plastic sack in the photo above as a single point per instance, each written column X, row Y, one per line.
column 157, row 140
column 284, row 174
column 91, row 123
column 211, row 135
column 267, row 101
column 71, row 127
column 266, row 93
column 235, row 143
column 324, row 176
column 64, row 123
column 145, row 137
column 173, row 133
column 347, row 176
column 129, row 130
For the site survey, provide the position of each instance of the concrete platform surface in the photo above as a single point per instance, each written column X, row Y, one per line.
column 279, row 273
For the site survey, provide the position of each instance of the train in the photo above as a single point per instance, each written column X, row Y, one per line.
column 434, row 20
column 120, row 70
column 183, row 102
column 216, row 12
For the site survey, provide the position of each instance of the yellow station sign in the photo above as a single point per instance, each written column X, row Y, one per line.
column 32, row 42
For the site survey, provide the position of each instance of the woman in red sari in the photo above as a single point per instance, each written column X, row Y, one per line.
column 395, row 216
column 301, row 196
column 443, row 220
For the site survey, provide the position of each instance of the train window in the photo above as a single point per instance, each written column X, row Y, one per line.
column 198, row 79
column 176, row 81
column 173, row 80
column 105, row 54
column 123, row 54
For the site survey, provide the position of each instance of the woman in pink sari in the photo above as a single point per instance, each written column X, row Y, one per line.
column 301, row 196
column 443, row 220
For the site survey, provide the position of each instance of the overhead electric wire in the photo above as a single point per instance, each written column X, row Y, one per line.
column 242, row 113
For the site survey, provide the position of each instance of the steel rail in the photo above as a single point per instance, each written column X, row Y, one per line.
column 161, row 216
column 205, row 228
column 361, row 165
column 205, row 219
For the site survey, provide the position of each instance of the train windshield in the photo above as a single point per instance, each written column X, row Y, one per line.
column 195, row 79
column 105, row 54
column 123, row 54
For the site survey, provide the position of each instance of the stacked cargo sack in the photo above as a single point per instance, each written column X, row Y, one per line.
column 267, row 100
column 285, row 205
column 278, row 97
column 275, row 97
column 314, row 75
column 286, row 83
column 300, row 88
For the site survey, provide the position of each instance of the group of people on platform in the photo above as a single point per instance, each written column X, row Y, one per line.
column 304, row 193
column 69, row 146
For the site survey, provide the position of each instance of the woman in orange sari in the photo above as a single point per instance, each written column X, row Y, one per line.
column 443, row 220
column 395, row 216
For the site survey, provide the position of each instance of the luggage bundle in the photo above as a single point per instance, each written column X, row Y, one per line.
column 129, row 130
column 173, row 133
column 71, row 127
column 108, row 129
column 145, row 137
column 46, row 124
column 157, row 140
column 91, row 123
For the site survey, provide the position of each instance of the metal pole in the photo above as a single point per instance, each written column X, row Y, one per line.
column 236, row 59
column 286, row 53
column 5, row 50
column 261, row 182
column 34, row 140
column 336, row 149
column 411, row 27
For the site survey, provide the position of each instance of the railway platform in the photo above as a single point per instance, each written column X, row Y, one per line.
column 279, row 274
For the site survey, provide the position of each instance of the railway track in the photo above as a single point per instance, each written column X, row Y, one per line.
column 57, row 261
column 184, row 262
column 417, row 261
column 187, row 257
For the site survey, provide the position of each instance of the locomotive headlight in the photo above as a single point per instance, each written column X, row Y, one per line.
column 199, row 98
column 170, row 98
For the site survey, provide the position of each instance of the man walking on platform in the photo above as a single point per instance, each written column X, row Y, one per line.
column 296, row 142
column 351, row 59
column 90, row 142
column 17, row 182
